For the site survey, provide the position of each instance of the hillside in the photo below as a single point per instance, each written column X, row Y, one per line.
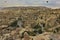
column 15, row 21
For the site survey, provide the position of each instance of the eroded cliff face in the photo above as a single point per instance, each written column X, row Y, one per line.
column 29, row 23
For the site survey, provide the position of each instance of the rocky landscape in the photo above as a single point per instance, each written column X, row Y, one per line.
column 29, row 23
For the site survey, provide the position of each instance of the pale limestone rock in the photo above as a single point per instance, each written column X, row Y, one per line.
column 26, row 36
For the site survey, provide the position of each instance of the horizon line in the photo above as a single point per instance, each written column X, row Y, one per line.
column 31, row 6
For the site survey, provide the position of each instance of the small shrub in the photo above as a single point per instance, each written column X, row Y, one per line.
column 37, row 29
column 13, row 24
column 31, row 33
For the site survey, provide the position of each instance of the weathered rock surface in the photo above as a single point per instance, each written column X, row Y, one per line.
column 29, row 23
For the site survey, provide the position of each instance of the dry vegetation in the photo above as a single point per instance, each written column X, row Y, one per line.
column 29, row 23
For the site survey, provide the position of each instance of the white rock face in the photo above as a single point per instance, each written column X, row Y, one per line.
column 19, row 23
